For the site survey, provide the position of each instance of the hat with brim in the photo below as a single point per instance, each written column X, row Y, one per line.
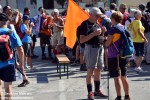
column 26, row 17
column 95, row 10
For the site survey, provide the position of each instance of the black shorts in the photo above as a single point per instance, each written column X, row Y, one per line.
column 114, row 71
column 27, row 49
column 139, row 49
column 34, row 38
column 7, row 74
column 44, row 39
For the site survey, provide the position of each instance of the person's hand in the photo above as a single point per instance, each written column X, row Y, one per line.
column 146, row 41
column 31, row 24
column 104, row 29
column 97, row 32
column 54, row 24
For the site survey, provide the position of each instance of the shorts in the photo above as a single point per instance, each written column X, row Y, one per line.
column 7, row 74
column 139, row 49
column 81, row 50
column 57, row 38
column 94, row 56
column 27, row 49
column 114, row 71
column 34, row 38
column 44, row 39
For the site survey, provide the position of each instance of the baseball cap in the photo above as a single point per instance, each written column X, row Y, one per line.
column 132, row 11
column 26, row 17
column 95, row 10
column 3, row 17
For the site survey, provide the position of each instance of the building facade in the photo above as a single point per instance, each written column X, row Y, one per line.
column 51, row 4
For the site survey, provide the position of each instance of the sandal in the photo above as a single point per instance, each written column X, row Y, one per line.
column 24, row 83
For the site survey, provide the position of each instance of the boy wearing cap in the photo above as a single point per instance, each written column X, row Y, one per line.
column 91, row 35
column 7, row 68
column 26, row 40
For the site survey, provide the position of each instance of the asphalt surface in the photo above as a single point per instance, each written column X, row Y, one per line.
column 46, row 85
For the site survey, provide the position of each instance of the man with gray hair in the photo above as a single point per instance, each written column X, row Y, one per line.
column 92, row 35
column 58, row 36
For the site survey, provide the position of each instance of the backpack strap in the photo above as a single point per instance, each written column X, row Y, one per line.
column 128, row 18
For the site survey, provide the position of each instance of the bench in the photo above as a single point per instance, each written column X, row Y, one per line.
column 62, row 60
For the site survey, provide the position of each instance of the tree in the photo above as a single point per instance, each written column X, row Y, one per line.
column 61, row 2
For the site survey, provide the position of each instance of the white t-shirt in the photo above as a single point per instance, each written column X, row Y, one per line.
column 108, row 13
column 127, row 21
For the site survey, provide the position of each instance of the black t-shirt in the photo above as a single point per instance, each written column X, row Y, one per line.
column 78, row 37
column 87, row 28
column 146, row 20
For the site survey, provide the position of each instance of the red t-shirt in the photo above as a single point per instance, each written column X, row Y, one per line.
column 125, row 17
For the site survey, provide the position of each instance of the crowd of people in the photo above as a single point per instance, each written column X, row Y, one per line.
column 95, row 49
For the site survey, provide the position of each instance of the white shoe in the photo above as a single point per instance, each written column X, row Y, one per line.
column 138, row 69
column 27, row 67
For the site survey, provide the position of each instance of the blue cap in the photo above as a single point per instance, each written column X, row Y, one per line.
column 26, row 17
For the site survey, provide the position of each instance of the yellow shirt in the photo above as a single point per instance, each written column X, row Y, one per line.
column 138, row 25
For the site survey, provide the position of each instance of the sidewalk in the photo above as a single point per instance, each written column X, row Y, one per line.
column 46, row 85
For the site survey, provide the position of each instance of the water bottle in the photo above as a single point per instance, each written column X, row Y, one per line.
column 19, row 76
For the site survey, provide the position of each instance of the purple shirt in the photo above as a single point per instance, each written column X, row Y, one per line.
column 112, row 51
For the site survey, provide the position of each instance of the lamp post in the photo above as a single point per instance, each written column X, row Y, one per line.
column 7, row 2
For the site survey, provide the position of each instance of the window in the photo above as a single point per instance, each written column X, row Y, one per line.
column 48, row 4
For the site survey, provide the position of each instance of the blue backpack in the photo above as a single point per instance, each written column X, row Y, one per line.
column 127, row 48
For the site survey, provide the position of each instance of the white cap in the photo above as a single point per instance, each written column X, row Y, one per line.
column 132, row 11
column 56, row 10
column 95, row 10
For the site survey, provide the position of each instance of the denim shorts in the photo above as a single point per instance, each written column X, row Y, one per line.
column 139, row 49
column 7, row 74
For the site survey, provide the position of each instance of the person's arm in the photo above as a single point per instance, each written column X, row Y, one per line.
column 84, row 38
column 21, row 56
column 61, row 26
column 15, row 21
column 142, row 35
column 108, row 41
column 28, row 29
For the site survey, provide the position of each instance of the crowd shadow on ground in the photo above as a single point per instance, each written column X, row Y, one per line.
column 49, row 69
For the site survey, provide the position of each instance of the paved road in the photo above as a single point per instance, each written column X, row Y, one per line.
column 46, row 85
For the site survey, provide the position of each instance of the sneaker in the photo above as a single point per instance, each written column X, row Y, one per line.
column 117, row 99
column 24, row 83
column 100, row 93
column 82, row 68
column 127, row 99
column 138, row 69
column 74, row 64
column 27, row 67
column 44, row 58
column 34, row 56
column 91, row 96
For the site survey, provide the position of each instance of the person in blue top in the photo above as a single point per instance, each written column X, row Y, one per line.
column 27, row 30
column 7, row 68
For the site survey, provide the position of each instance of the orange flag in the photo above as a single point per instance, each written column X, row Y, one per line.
column 75, row 16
